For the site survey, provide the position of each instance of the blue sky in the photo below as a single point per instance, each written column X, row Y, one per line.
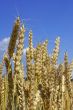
column 47, row 19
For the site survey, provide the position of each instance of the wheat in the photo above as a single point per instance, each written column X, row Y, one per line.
column 13, row 38
column 47, row 85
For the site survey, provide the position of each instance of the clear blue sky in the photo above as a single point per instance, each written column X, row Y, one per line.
column 47, row 19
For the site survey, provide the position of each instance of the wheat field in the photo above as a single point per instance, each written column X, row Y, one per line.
column 48, row 84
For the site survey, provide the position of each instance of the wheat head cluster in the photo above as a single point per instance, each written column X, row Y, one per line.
column 47, row 85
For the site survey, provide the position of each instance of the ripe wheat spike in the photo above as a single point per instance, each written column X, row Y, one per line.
column 13, row 38
column 56, row 51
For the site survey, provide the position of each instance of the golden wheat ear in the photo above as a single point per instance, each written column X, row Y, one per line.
column 3, row 89
column 67, row 73
column 66, row 59
column 56, row 51
column 13, row 38
column 1, row 67
column 10, row 81
column 31, row 44
column 17, row 69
